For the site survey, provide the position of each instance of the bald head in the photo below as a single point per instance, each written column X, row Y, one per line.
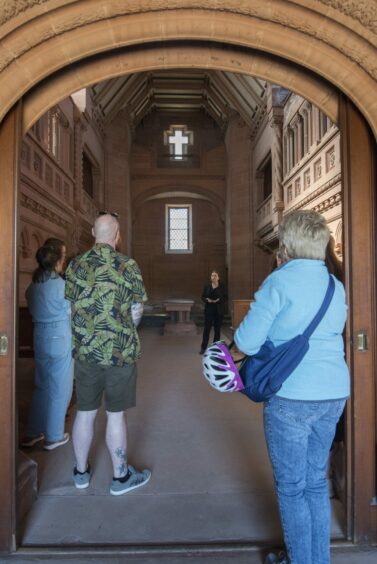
column 106, row 230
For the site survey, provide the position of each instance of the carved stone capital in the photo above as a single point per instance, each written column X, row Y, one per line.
column 276, row 119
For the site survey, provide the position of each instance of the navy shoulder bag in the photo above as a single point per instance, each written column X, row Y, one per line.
column 264, row 372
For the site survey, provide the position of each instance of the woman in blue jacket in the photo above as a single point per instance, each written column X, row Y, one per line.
column 300, row 420
column 51, row 314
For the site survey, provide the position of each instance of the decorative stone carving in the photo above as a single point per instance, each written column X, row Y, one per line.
column 9, row 10
column 305, row 202
column 329, row 203
column 25, row 248
column 362, row 10
column 43, row 211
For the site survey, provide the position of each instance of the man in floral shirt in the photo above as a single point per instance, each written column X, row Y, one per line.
column 104, row 288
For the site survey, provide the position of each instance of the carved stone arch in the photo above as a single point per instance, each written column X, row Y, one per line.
column 25, row 248
column 332, row 40
column 178, row 191
column 36, row 241
column 194, row 55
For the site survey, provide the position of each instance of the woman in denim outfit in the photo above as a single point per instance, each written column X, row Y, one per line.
column 51, row 314
column 300, row 420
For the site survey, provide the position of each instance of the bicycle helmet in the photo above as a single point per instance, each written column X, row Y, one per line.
column 220, row 370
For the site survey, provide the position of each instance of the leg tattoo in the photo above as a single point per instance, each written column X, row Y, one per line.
column 122, row 457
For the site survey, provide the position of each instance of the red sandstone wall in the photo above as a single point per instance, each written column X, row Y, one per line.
column 156, row 182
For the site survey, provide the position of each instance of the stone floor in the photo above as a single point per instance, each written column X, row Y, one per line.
column 211, row 495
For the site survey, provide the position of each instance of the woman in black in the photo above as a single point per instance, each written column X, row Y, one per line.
column 214, row 296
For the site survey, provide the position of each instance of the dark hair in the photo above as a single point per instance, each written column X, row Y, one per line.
column 47, row 258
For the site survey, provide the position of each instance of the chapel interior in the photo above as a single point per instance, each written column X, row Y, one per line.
column 225, row 155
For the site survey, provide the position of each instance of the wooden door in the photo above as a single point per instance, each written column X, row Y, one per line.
column 359, row 201
column 10, row 135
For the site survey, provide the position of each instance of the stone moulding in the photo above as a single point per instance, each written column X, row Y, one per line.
column 365, row 11
column 327, row 202
column 28, row 202
column 335, row 43
column 295, row 15
column 9, row 10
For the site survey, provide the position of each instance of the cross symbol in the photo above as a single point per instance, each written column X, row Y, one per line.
column 178, row 140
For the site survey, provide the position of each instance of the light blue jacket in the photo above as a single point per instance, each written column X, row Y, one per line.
column 46, row 301
column 284, row 306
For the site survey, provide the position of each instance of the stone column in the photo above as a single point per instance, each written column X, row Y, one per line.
column 276, row 122
column 79, row 128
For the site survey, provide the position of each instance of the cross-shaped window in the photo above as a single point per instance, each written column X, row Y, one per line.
column 178, row 139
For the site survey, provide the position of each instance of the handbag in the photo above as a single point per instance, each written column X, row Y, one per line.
column 264, row 373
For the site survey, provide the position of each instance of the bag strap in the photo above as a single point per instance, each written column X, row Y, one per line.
column 322, row 310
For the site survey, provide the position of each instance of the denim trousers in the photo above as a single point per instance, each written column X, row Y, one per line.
column 299, row 435
column 53, row 379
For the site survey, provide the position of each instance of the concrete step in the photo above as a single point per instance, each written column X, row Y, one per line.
column 342, row 553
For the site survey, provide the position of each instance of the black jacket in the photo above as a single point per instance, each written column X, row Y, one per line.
column 214, row 294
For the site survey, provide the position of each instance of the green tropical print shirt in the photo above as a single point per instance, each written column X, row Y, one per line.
column 102, row 284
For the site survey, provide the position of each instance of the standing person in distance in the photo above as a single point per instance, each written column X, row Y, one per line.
column 214, row 297
column 51, row 314
column 103, row 287
column 300, row 420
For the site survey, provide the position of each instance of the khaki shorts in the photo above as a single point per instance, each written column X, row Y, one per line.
column 118, row 383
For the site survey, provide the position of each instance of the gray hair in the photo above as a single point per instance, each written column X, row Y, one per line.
column 305, row 234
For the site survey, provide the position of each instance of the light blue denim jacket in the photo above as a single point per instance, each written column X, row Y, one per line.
column 284, row 306
column 46, row 301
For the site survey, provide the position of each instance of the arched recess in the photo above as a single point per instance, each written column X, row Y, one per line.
column 336, row 44
column 179, row 191
column 149, row 239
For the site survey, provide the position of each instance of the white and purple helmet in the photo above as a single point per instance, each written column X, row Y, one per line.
column 220, row 370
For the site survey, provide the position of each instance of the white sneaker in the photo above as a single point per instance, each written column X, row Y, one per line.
column 50, row 446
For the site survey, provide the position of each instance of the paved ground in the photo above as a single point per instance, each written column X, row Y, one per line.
column 204, row 492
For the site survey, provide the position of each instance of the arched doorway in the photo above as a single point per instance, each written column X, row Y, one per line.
column 63, row 38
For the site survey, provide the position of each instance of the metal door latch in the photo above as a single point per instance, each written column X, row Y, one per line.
column 361, row 342
column 3, row 345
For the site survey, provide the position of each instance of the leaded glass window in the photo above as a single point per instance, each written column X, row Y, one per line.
column 178, row 229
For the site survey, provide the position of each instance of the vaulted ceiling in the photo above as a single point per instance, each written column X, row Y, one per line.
column 219, row 94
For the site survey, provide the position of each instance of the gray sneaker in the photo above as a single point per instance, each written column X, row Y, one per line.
column 31, row 441
column 52, row 445
column 280, row 558
column 132, row 480
column 81, row 479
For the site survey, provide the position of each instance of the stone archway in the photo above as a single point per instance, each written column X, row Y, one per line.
column 336, row 42
column 49, row 48
column 177, row 55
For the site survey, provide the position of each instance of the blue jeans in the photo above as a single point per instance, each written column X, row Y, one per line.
column 299, row 436
column 53, row 379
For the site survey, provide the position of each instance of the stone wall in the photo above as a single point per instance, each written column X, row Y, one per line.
column 158, row 180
